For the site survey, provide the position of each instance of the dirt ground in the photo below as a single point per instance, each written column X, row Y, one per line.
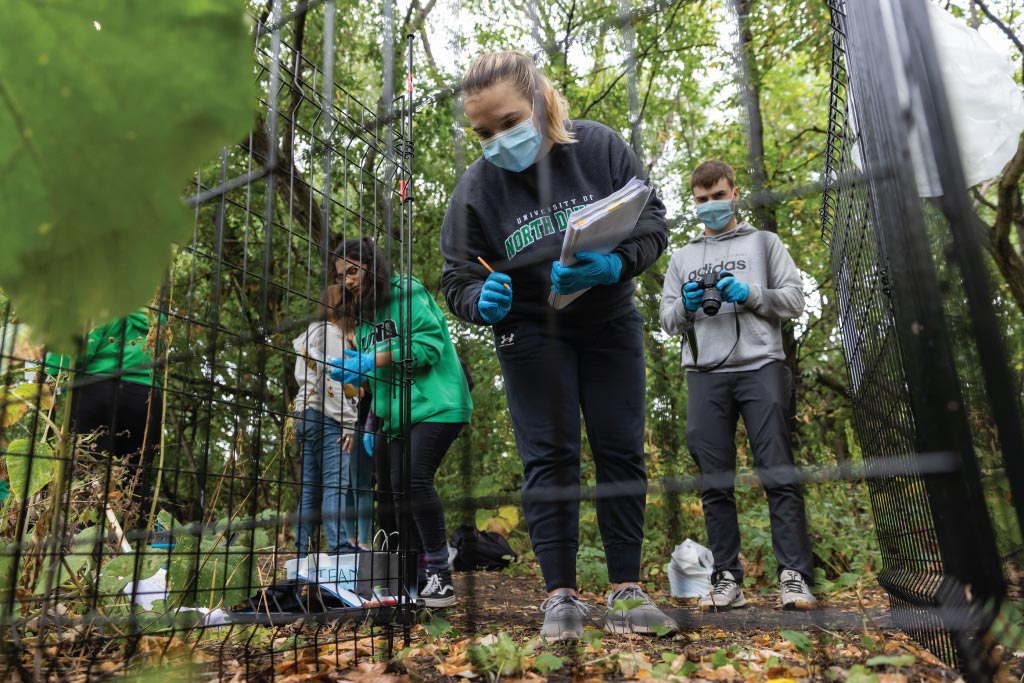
column 491, row 635
column 746, row 644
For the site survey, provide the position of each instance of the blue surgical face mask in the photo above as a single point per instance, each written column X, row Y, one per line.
column 715, row 214
column 513, row 149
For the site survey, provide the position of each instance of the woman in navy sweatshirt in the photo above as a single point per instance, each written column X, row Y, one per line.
column 511, row 208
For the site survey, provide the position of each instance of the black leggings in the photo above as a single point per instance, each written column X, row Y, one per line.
column 429, row 441
column 118, row 411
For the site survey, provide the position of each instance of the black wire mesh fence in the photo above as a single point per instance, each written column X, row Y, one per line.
column 923, row 347
column 193, row 525
column 156, row 488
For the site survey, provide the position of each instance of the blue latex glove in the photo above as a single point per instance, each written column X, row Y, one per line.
column 733, row 290
column 692, row 296
column 369, row 439
column 353, row 367
column 495, row 298
column 592, row 269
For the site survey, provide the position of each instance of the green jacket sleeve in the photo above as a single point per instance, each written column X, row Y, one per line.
column 428, row 338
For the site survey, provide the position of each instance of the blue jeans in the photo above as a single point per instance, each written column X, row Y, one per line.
column 359, row 496
column 325, row 478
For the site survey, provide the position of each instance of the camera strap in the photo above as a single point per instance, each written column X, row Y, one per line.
column 690, row 331
column 690, row 335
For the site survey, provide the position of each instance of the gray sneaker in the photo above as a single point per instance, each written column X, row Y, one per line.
column 563, row 616
column 644, row 618
column 726, row 594
column 795, row 592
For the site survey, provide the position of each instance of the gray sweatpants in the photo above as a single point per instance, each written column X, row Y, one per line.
column 715, row 402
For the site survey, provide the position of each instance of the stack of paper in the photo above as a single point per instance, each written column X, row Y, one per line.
column 601, row 227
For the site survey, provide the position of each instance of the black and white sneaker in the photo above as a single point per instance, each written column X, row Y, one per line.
column 795, row 592
column 725, row 594
column 439, row 590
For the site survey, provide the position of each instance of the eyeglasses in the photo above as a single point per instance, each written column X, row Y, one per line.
column 351, row 270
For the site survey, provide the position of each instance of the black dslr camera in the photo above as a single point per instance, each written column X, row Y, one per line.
column 712, row 299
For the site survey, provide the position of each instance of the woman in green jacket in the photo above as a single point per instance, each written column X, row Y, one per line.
column 440, row 403
column 115, row 394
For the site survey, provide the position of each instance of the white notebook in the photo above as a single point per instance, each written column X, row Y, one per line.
column 600, row 227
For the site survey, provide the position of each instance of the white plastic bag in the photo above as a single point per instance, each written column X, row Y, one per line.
column 689, row 571
column 985, row 103
column 149, row 590
column 155, row 588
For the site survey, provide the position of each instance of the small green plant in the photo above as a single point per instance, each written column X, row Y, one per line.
column 499, row 656
column 897, row 661
column 437, row 628
column 860, row 674
column 592, row 569
column 592, row 639
column 869, row 643
column 800, row 641
column 546, row 663
column 625, row 605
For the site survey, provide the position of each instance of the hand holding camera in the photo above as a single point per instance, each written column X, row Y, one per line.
column 693, row 292
column 733, row 290
column 708, row 292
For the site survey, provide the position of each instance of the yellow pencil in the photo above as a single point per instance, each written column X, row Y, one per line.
column 487, row 265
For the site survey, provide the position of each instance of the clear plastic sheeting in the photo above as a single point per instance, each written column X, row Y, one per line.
column 986, row 103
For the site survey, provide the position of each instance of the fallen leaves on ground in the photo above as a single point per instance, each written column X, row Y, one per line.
column 494, row 638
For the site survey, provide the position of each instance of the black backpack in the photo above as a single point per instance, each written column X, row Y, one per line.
column 480, row 549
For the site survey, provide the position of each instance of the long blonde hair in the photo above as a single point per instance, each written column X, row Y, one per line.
column 518, row 69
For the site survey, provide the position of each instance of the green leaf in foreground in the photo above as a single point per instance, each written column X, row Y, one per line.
column 859, row 674
column 106, row 109
column 547, row 662
column 437, row 627
column 892, row 660
column 34, row 469
column 800, row 641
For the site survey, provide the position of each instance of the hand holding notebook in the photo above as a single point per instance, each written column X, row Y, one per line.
column 600, row 228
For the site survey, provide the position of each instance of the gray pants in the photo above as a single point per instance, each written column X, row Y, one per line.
column 715, row 402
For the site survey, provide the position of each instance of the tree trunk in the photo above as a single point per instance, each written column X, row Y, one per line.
column 1008, row 213
column 764, row 216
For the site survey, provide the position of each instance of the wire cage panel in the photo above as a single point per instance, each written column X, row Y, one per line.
column 186, row 541
column 911, row 337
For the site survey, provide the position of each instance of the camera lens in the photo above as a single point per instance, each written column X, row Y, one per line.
column 712, row 301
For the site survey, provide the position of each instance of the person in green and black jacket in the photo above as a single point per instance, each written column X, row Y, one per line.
column 115, row 394
column 440, row 403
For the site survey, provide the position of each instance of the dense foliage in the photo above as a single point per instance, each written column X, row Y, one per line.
column 242, row 288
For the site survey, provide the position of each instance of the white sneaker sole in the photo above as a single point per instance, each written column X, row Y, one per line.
column 799, row 604
column 626, row 629
column 440, row 602
column 735, row 604
column 564, row 635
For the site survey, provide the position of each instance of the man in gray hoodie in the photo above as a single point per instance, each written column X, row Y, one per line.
column 735, row 366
